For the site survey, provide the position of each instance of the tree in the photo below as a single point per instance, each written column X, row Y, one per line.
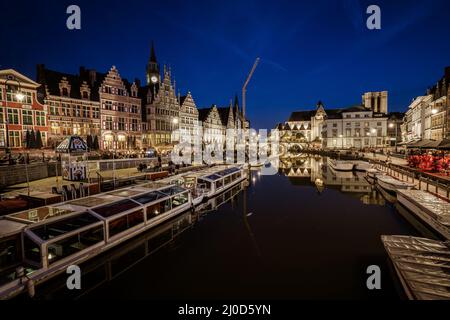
column 89, row 142
column 95, row 144
column 32, row 140
column 38, row 139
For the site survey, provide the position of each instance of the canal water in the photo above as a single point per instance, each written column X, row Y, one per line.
column 305, row 233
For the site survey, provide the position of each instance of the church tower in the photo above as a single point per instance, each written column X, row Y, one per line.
column 153, row 75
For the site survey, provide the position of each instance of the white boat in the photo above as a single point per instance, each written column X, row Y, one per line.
column 362, row 165
column 372, row 174
column 393, row 185
column 46, row 240
column 429, row 208
column 421, row 265
column 220, row 179
column 340, row 165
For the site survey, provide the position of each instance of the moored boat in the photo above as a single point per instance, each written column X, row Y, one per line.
column 216, row 181
column 429, row 208
column 421, row 265
column 391, row 185
column 340, row 165
column 46, row 240
column 362, row 165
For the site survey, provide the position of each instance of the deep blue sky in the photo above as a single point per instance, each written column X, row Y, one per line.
column 310, row 50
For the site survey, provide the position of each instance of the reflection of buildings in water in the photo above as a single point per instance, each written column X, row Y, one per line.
column 307, row 170
column 348, row 181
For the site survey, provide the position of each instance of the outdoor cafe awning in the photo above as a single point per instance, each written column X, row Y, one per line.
column 430, row 144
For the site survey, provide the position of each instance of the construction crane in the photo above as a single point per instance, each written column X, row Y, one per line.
column 244, row 88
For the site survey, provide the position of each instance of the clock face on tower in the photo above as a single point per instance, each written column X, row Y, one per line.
column 154, row 79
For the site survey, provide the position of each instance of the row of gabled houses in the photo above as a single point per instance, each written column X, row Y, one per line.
column 123, row 115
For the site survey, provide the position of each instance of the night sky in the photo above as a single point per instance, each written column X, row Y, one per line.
column 309, row 50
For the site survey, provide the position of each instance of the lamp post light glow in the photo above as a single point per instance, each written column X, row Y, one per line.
column 434, row 111
column 175, row 120
column 20, row 96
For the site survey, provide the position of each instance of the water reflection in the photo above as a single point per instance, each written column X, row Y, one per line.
column 313, row 170
column 302, row 234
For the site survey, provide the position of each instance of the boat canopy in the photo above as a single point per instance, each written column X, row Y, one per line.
column 422, row 265
column 60, row 227
column 38, row 214
column 220, row 174
column 114, row 208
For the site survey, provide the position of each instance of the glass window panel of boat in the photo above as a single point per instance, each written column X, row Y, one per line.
column 89, row 202
column 227, row 179
column 204, row 184
column 125, row 193
column 74, row 244
column 126, row 222
column 149, row 197
column 10, row 251
column 40, row 214
column 115, row 208
column 180, row 199
column 57, row 228
column 213, row 177
column 219, row 184
column 32, row 250
column 158, row 208
column 173, row 190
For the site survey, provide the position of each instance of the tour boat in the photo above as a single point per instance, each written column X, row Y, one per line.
column 421, row 266
column 429, row 208
column 372, row 174
column 340, row 165
column 393, row 185
column 219, row 180
column 362, row 165
column 41, row 243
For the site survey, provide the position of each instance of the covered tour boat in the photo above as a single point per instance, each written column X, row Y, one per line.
column 421, row 265
column 392, row 185
column 429, row 208
column 41, row 243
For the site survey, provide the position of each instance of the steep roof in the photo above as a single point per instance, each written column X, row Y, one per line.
column 51, row 80
column 203, row 113
column 302, row 115
column 224, row 113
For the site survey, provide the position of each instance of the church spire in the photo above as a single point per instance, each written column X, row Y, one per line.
column 152, row 53
column 152, row 70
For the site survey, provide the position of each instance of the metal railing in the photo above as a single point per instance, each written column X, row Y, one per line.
column 421, row 180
